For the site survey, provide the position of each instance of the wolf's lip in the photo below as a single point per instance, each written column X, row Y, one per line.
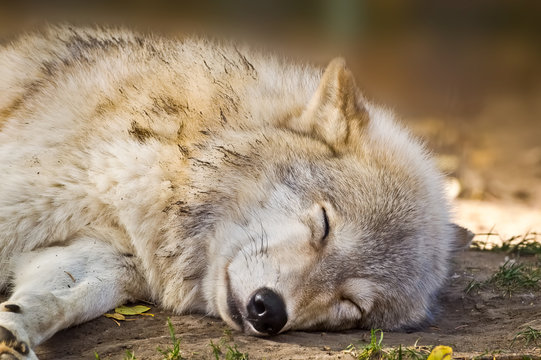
column 232, row 307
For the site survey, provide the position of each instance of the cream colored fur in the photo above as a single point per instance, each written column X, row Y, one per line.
column 192, row 174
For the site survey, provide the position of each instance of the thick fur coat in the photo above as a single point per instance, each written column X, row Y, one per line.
column 208, row 178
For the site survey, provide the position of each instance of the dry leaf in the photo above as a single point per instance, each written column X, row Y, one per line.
column 116, row 316
column 132, row 310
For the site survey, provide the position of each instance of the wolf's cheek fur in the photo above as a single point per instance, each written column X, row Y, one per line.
column 274, row 251
column 277, row 252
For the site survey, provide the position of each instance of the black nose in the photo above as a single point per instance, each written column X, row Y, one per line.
column 267, row 311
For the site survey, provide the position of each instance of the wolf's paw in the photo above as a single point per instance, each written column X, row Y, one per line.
column 10, row 347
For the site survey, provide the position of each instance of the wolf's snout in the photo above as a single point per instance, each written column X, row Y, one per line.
column 267, row 311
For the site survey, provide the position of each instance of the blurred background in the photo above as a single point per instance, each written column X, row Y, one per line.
column 464, row 75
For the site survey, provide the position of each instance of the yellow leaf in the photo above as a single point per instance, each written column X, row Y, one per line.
column 441, row 353
column 115, row 316
column 132, row 310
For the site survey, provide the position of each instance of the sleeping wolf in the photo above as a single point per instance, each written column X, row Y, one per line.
column 207, row 178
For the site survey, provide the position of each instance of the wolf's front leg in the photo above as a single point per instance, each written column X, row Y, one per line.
column 60, row 286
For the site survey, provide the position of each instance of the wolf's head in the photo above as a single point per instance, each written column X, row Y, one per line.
column 341, row 224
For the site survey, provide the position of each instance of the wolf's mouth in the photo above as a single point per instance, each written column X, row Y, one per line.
column 232, row 306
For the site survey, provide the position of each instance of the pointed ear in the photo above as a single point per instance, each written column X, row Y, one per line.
column 335, row 113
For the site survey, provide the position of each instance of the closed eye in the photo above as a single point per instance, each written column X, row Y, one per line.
column 326, row 226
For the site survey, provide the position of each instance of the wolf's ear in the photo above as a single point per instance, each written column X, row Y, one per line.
column 463, row 236
column 335, row 113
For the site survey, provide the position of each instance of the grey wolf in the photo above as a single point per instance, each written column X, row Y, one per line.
column 208, row 178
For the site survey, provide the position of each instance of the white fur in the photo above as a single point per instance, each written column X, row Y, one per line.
column 179, row 171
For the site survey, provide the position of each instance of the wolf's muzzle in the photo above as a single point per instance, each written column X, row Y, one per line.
column 267, row 311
